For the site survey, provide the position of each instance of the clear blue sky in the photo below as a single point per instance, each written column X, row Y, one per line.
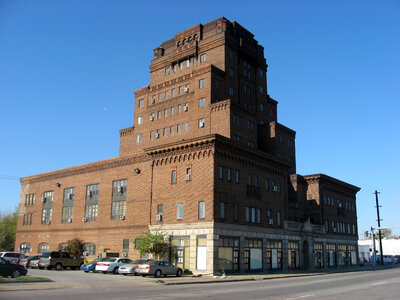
column 68, row 70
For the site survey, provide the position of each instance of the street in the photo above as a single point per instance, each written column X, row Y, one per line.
column 375, row 284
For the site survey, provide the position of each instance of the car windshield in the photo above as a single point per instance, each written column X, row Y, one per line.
column 46, row 255
column 110, row 259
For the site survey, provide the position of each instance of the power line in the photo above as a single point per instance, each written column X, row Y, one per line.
column 8, row 177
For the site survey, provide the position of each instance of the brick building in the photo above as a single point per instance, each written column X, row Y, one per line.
column 207, row 162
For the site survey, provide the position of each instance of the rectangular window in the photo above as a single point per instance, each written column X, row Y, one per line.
column 172, row 110
column 179, row 211
column 181, row 65
column 173, row 176
column 261, row 107
column 222, row 210
column 153, row 99
column 188, row 174
column 171, row 130
column 179, row 109
column 253, row 215
column 178, row 128
column 165, row 112
column 278, row 218
column 167, row 70
column 139, row 138
column 180, row 90
column 159, row 115
column 141, row 102
column 165, row 132
column 140, row 120
column 236, row 217
column 258, row 215
column 68, row 205
column 202, row 83
column 231, row 91
column 159, row 97
column 173, row 92
column 151, row 135
column 247, row 214
column 47, row 207
column 266, row 184
column 166, row 95
column 202, row 210
column 188, row 63
column 249, row 181
column 201, row 102
column 202, row 57
column 229, row 174
column 237, row 176
column 261, row 89
column 186, row 127
column 256, row 181
column 231, row 72
column 174, row 67
column 118, row 206
column 92, row 194
column 221, row 172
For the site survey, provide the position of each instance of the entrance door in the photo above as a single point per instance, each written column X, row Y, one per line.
column 201, row 258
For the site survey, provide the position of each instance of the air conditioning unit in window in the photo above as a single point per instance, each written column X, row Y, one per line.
column 157, row 135
column 275, row 188
column 159, row 217
column 122, row 217
column 121, row 189
column 69, row 196
column 201, row 124
column 271, row 221
column 89, row 193
column 44, row 199
column 185, row 108
column 69, row 220
column 124, row 254
column 84, row 219
column 186, row 89
column 85, row 253
column 48, row 222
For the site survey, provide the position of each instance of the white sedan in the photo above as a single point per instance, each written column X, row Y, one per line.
column 111, row 265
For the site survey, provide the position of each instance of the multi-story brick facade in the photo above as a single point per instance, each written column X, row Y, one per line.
column 207, row 162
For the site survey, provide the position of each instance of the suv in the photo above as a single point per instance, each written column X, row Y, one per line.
column 12, row 257
column 60, row 260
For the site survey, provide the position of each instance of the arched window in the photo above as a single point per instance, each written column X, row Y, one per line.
column 62, row 246
column 43, row 247
column 24, row 248
column 90, row 249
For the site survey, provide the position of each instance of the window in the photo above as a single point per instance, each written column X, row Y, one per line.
column 172, row 111
column 160, row 209
column 236, row 118
column 178, row 128
column 118, row 207
column 236, row 138
column 217, row 83
column 221, row 172
column 201, row 123
column 261, row 89
column 266, row 184
column 140, row 120
column 43, row 247
column 261, row 106
column 181, row 65
column 201, row 102
column 230, row 53
column 47, row 207
column 202, row 210
column 222, row 210
column 231, row 72
column 167, row 70
column 165, row 113
column 159, row 115
column 92, row 193
column 151, row 135
column 159, row 97
column 247, row 214
column 236, row 216
column 188, row 63
column 256, row 181
column 231, row 91
column 24, row 248
column 179, row 211
column 173, row 92
column 153, row 99
column 229, row 174
column 279, row 187
column 250, row 125
column 202, row 57
column 180, row 90
column 90, row 249
column 68, row 204
column 202, row 83
column 249, row 181
column 237, row 176
column 171, row 130
column 141, row 102
column 186, row 127
column 165, row 132
column 139, row 138
column 179, row 109
column 29, row 199
column 278, row 218
column 261, row 73
column 326, row 225
column 173, row 176
column 188, row 174
column 174, row 67
column 194, row 61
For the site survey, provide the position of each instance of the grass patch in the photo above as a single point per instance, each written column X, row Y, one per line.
column 22, row 279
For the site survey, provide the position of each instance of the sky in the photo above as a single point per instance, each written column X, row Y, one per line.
column 69, row 69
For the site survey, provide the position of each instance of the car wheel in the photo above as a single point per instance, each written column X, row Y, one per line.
column 15, row 274
column 58, row 267
column 179, row 273
column 157, row 274
column 86, row 271
column 143, row 275
column 115, row 271
column 125, row 274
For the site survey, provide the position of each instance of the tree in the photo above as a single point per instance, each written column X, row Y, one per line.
column 75, row 246
column 8, row 229
column 386, row 233
column 152, row 243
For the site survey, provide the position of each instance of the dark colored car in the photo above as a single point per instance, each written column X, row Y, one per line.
column 27, row 260
column 10, row 269
column 60, row 260
column 91, row 266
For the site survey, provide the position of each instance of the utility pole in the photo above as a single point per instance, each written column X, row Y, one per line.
column 373, row 247
column 379, row 225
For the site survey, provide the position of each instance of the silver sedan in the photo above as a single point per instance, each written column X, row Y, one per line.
column 158, row 268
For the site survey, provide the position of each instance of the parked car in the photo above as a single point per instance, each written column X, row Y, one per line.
column 27, row 260
column 13, row 257
column 60, row 260
column 387, row 259
column 127, row 269
column 112, row 264
column 398, row 259
column 91, row 266
column 34, row 263
column 158, row 268
column 11, row 269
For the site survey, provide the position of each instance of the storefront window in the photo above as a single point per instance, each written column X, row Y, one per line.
column 253, row 254
column 180, row 252
column 342, row 255
column 228, row 254
column 274, row 255
column 331, row 255
column 319, row 255
column 293, row 255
